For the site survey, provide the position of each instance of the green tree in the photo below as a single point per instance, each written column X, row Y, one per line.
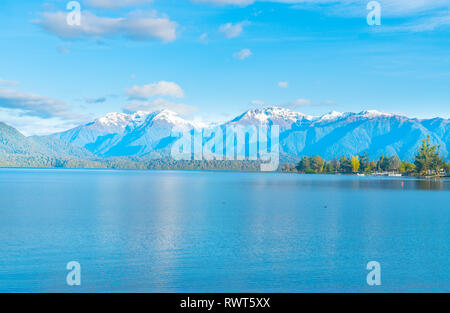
column 394, row 163
column 427, row 160
column 407, row 167
column 380, row 163
column 335, row 165
column 447, row 168
column 328, row 168
column 372, row 166
column 384, row 163
column 304, row 165
column 345, row 165
column 317, row 164
column 364, row 161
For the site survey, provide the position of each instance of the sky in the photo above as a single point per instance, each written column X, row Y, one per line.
column 211, row 60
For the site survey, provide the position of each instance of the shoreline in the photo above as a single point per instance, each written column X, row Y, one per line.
column 220, row 170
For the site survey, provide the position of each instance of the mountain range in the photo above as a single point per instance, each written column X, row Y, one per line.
column 19, row 150
column 149, row 135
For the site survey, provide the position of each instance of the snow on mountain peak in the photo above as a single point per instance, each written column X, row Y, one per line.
column 119, row 122
column 331, row 116
column 166, row 114
column 139, row 115
column 113, row 119
column 277, row 115
column 151, row 133
column 171, row 118
column 374, row 113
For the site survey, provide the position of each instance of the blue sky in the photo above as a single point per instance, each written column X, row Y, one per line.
column 213, row 59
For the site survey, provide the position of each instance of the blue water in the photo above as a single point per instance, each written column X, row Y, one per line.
column 167, row 231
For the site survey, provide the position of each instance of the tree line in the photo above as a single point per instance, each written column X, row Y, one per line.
column 427, row 162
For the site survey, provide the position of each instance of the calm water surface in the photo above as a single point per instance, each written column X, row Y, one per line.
column 181, row 231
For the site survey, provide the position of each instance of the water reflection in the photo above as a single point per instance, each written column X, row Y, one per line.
column 378, row 183
column 203, row 232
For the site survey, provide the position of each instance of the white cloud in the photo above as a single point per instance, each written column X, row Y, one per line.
column 136, row 25
column 114, row 4
column 258, row 102
column 283, row 84
column 349, row 7
column 409, row 7
column 226, row 2
column 389, row 8
column 307, row 103
column 34, row 105
column 301, row 103
column 63, row 50
column 9, row 83
column 424, row 24
column 159, row 104
column 233, row 30
column 243, row 54
column 32, row 125
column 329, row 102
column 162, row 88
column 428, row 15
column 139, row 98
column 95, row 100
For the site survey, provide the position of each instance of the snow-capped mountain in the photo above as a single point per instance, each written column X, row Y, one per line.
column 272, row 116
column 331, row 135
column 111, row 123
column 120, row 134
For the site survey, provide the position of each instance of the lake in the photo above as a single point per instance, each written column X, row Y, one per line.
column 183, row 231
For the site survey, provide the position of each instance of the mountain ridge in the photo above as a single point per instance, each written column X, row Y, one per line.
column 329, row 135
column 151, row 134
column 39, row 151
